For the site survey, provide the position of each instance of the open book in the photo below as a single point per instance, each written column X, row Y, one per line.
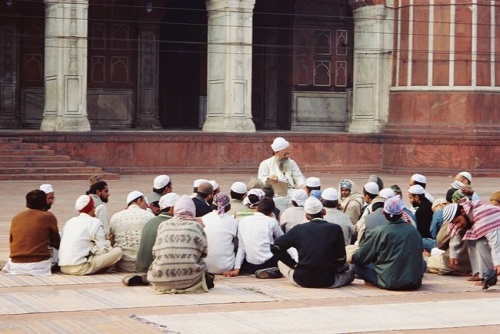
column 280, row 187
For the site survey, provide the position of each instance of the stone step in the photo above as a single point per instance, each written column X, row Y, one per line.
column 42, row 163
column 52, row 170
column 18, row 146
column 35, row 152
column 12, row 140
column 73, row 176
column 4, row 158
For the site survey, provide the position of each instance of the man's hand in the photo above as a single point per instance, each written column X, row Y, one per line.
column 497, row 268
column 231, row 273
column 273, row 178
column 453, row 262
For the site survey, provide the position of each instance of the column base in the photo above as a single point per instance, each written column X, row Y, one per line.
column 365, row 126
column 60, row 123
column 221, row 124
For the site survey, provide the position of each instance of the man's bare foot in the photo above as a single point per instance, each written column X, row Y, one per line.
column 369, row 284
column 480, row 283
column 474, row 278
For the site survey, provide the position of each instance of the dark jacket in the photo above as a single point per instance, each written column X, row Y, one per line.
column 395, row 249
column 321, row 249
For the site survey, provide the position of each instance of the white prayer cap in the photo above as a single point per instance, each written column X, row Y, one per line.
column 330, row 194
column 299, row 196
column 279, row 144
column 168, row 200
column 466, row 175
column 387, row 193
column 47, row 188
column 257, row 192
column 313, row 182
column 313, row 206
column 133, row 196
column 416, row 189
column 438, row 201
column 197, row 183
column 161, row 181
column 419, row 178
column 371, row 188
column 239, row 187
column 214, row 184
column 84, row 203
column 450, row 211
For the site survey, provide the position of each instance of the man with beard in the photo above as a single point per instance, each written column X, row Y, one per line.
column 424, row 213
column 99, row 192
column 49, row 192
column 280, row 168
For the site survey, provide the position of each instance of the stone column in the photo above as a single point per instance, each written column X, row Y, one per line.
column 229, row 70
column 373, row 44
column 147, row 102
column 65, row 66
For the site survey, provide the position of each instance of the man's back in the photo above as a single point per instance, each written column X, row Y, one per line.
column 126, row 227
column 396, row 251
column 31, row 234
column 337, row 217
column 321, row 250
column 291, row 217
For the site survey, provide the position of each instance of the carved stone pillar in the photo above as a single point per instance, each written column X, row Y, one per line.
column 229, row 66
column 65, row 66
column 147, row 102
column 373, row 44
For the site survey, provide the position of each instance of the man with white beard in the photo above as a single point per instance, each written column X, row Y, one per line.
column 281, row 170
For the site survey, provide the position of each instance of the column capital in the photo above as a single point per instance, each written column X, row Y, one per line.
column 355, row 4
column 214, row 5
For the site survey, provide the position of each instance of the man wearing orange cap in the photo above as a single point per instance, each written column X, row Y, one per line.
column 84, row 249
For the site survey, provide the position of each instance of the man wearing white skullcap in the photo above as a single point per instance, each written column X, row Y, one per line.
column 462, row 180
column 330, row 200
column 84, row 249
column 423, row 214
column 126, row 229
column 321, row 251
column 238, row 193
column 149, row 232
column 34, row 238
column 255, row 236
column 295, row 214
column 419, row 179
column 370, row 191
column 280, row 168
column 162, row 185
column 367, row 224
column 391, row 258
column 313, row 183
column 49, row 192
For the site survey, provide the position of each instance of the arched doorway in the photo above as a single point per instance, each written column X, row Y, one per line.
column 183, row 69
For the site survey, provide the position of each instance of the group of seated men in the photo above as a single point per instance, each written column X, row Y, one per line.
column 278, row 224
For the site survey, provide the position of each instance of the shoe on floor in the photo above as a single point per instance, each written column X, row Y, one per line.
column 273, row 272
column 489, row 278
column 135, row 280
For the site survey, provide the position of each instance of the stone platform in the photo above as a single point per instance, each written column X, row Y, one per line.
column 401, row 152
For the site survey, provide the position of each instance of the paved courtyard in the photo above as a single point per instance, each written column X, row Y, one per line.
column 102, row 304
